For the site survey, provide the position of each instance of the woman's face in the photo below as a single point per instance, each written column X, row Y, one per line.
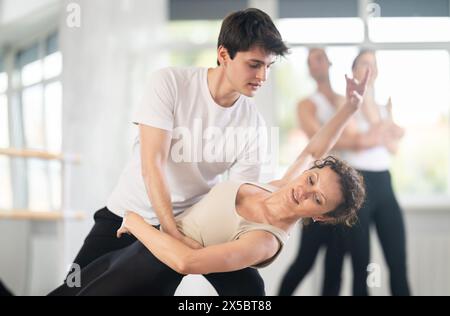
column 313, row 194
column 366, row 61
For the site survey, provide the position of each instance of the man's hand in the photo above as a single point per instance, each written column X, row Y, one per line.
column 191, row 243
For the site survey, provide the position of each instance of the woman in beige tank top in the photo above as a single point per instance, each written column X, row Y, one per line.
column 330, row 192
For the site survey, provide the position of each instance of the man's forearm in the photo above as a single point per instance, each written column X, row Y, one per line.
column 159, row 195
column 167, row 249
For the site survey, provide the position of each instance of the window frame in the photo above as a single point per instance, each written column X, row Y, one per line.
column 19, row 168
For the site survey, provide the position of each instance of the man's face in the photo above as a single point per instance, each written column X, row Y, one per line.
column 248, row 70
column 318, row 64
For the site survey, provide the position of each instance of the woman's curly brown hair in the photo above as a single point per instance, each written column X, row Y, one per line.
column 353, row 191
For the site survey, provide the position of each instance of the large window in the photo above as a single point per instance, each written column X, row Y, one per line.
column 410, row 29
column 5, row 170
column 31, row 114
column 416, row 77
column 421, row 105
column 322, row 30
column 193, row 43
column 40, row 91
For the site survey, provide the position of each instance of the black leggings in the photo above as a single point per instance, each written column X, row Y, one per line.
column 4, row 291
column 112, row 266
column 313, row 237
column 129, row 271
column 381, row 208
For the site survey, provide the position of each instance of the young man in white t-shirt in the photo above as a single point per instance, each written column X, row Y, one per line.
column 186, row 123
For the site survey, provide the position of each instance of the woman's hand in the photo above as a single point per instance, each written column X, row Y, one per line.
column 127, row 221
column 392, row 129
column 355, row 90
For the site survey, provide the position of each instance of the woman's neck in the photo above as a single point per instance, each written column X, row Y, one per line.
column 254, row 204
column 276, row 214
column 281, row 218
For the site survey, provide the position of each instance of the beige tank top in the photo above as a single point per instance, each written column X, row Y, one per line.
column 214, row 219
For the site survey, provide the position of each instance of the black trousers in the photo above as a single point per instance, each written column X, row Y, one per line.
column 313, row 238
column 112, row 266
column 381, row 209
column 4, row 291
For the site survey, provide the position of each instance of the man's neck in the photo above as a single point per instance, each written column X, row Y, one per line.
column 220, row 89
column 324, row 87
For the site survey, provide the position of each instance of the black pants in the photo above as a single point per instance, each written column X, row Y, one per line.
column 4, row 291
column 112, row 266
column 313, row 237
column 382, row 209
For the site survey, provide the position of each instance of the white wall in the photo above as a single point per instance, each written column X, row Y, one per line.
column 106, row 63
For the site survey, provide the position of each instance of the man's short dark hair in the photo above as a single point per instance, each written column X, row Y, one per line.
column 245, row 29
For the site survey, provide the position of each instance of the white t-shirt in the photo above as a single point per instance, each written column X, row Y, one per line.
column 374, row 159
column 207, row 140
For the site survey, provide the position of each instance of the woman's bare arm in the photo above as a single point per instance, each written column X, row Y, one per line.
column 324, row 140
column 252, row 248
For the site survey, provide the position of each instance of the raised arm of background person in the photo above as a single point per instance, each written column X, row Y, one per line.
column 351, row 138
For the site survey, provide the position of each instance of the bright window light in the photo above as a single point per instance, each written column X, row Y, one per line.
column 418, row 82
column 53, row 116
column 4, row 125
column 52, row 65
column 32, row 73
column 322, row 30
column 410, row 29
column 3, row 82
column 38, row 185
column 33, row 117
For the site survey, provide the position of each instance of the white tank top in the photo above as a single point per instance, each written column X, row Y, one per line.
column 372, row 159
column 324, row 109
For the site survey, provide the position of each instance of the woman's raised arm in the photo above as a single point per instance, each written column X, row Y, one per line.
column 325, row 139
